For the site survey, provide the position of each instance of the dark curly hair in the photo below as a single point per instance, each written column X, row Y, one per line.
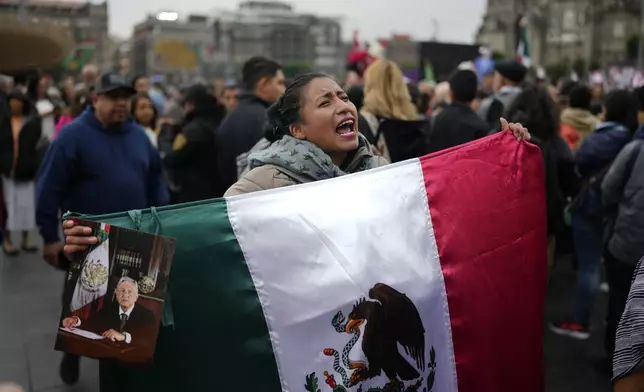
column 286, row 111
column 622, row 106
column 535, row 109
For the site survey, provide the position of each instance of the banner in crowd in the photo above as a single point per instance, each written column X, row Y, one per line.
column 403, row 278
column 618, row 78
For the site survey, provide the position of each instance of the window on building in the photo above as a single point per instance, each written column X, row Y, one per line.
column 321, row 38
column 332, row 34
column 619, row 29
column 569, row 21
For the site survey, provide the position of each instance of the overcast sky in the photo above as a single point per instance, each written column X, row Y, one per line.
column 458, row 19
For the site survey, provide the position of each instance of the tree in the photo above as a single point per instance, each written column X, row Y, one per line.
column 294, row 68
column 558, row 70
column 498, row 56
column 632, row 47
column 579, row 66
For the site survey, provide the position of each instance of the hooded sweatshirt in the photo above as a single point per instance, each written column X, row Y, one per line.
column 576, row 125
column 93, row 169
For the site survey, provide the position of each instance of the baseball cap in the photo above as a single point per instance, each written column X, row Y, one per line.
column 112, row 81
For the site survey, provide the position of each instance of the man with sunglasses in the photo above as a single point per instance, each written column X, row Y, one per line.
column 101, row 162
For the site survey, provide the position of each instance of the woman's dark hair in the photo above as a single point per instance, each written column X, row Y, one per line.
column 639, row 93
column 286, row 111
column 34, row 85
column 580, row 97
column 80, row 101
column 535, row 109
column 135, row 101
column 356, row 96
column 622, row 107
column 26, row 103
column 567, row 86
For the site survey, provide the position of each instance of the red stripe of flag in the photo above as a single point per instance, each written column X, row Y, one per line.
column 492, row 247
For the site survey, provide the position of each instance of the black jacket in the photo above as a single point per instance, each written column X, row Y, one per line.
column 239, row 132
column 139, row 325
column 194, row 166
column 561, row 178
column 29, row 149
column 406, row 139
column 456, row 124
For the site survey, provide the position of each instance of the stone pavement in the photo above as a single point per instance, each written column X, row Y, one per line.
column 30, row 294
column 573, row 365
column 30, row 309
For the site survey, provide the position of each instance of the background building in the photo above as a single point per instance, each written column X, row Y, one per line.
column 175, row 50
column 589, row 33
column 87, row 23
column 273, row 29
column 404, row 51
column 218, row 45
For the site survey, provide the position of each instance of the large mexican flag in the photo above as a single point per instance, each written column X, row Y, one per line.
column 426, row 275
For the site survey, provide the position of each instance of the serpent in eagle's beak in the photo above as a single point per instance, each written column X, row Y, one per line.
column 353, row 325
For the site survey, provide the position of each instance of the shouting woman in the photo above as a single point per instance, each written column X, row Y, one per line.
column 317, row 123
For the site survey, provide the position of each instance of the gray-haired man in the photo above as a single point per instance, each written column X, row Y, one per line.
column 119, row 321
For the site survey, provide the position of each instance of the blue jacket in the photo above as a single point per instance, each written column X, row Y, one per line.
column 93, row 169
column 594, row 158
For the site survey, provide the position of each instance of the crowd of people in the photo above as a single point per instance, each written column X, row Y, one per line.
column 111, row 143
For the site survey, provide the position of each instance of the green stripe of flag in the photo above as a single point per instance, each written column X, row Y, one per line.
column 219, row 329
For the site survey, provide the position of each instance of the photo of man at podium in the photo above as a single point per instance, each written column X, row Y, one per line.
column 121, row 321
column 114, row 296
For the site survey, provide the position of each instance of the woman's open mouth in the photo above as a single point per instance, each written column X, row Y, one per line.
column 346, row 128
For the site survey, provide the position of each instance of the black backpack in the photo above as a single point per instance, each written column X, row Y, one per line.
column 405, row 139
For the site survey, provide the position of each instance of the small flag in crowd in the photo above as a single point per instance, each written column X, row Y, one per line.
column 523, row 47
column 428, row 73
column 401, row 278
column 92, row 283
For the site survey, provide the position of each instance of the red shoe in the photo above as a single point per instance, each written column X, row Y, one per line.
column 573, row 330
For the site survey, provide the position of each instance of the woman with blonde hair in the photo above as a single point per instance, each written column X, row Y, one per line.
column 388, row 118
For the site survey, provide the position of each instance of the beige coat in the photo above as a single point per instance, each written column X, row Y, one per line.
column 270, row 176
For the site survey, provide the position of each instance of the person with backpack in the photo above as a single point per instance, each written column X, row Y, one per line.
column 588, row 212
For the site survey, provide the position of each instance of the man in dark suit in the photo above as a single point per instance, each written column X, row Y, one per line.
column 123, row 320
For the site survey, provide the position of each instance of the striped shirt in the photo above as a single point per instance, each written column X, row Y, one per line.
column 629, row 341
